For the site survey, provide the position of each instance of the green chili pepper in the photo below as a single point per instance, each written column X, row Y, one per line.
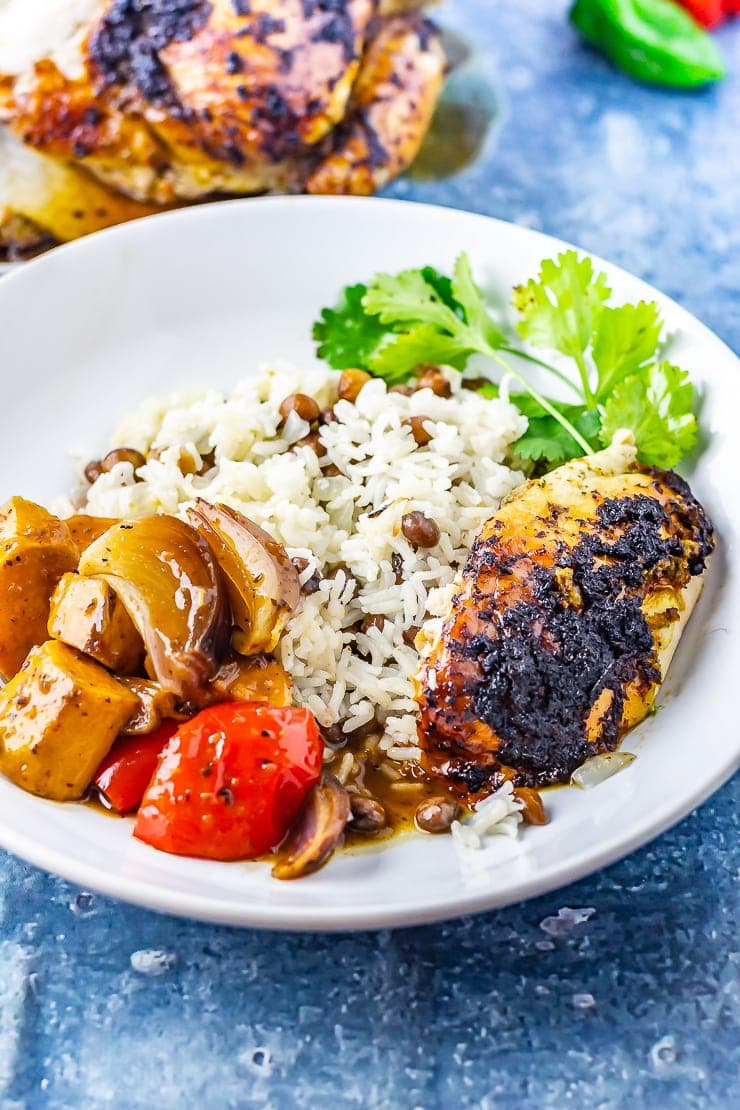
column 653, row 40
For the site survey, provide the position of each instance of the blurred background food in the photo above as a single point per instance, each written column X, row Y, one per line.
column 115, row 109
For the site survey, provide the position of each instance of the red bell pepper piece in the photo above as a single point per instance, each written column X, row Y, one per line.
column 231, row 781
column 126, row 771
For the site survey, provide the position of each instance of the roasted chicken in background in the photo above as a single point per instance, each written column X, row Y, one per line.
column 572, row 603
column 111, row 109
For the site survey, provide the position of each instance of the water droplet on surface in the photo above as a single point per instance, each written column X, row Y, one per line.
column 663, row 1053
column 83, row 904
column 153, row 961
column 258, row 1061
column 566, row 920
column 30, row 930
column 583, row 1001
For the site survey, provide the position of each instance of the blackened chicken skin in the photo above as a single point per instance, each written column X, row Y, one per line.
column 572, row 602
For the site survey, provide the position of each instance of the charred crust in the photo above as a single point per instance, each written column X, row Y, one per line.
column 127, row 44
column 377, row 154
column 473, row 777
column 234, row 62
column 262, row 26
column 575, row 637
column 233, row 154
column 285, row 59
column 279, row 124
column 21, row 239
column 426, row 33
column 338, row 29
column 310, row 7
column 543, row 670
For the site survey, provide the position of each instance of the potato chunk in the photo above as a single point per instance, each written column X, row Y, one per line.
column 87, row 614
column 58, row 718
column 35, row 551
column 86, row 529
column 259, row 678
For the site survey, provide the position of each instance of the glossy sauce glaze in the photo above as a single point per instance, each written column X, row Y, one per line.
column 400, row 799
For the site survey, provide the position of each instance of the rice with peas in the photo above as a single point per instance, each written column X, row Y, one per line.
column 347, row 525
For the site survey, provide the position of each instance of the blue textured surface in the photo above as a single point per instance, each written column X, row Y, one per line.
column 631, row 1004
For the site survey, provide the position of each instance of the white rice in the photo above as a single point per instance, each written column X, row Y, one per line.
column 497, row 815
column 344, row 526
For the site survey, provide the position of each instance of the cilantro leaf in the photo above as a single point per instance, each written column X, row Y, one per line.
column 399, row 321
column 657, row 405
column 432, row 331
column 346, row 335
column 468, row 296
column 396, row 359
column 442, row 286
column 561, row 306
column 433, row 319
column 625, row 339
column 546, row 442
column 408, row 298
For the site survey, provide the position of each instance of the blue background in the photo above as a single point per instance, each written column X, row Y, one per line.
column 632, row 1002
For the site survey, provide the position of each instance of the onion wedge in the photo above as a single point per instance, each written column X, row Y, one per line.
column 261, row 581
column 167, row 578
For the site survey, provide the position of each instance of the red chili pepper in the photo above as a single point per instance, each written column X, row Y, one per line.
column 127, row 770
column 231, row 781
column 708, row 12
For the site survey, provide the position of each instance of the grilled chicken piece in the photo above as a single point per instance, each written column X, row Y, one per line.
column 572, row 603
column 172, row 100
column 390, row 109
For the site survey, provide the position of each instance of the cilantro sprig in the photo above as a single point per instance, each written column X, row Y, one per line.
column 609, row 357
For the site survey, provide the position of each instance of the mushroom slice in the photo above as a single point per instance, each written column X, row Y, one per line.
column 261, row 581
column 317, row 832
column 167, row 578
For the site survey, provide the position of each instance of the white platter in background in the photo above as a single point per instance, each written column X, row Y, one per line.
column 202, row 297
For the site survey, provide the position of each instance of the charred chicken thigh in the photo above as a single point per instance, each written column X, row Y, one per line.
column 571, row 605
column 160, row 102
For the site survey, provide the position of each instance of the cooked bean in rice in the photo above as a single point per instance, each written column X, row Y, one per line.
column 339, row 493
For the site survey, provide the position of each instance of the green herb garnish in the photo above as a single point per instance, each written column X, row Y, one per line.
column 399, row 321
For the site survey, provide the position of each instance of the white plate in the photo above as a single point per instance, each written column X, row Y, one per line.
column 202, row 296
